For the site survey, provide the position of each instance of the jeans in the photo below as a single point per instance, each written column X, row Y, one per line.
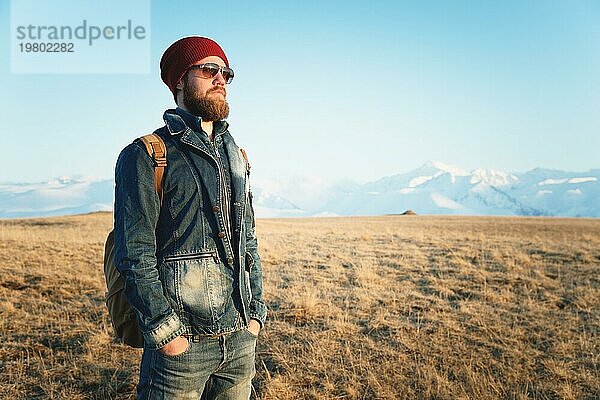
column 213, row 368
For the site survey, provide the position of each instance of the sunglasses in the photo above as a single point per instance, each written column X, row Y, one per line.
column 210, row 70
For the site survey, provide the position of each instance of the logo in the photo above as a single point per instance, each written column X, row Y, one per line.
column 85, row 36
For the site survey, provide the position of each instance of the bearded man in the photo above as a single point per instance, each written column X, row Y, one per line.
column 188, row 254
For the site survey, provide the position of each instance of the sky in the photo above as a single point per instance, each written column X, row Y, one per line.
column 329, row 89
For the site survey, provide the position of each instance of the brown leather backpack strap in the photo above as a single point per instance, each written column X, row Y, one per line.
column 158, row 150
column 245, row 158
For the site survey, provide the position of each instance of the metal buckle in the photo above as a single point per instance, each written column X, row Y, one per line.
column 198, row 338
column 193, row 338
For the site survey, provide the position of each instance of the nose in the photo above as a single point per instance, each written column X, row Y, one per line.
column 219, row 79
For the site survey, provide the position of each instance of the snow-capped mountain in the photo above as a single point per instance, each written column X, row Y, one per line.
column 60, row 196
column 437, row 188
column 434, row 188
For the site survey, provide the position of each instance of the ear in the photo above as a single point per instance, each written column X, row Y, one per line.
column 180, row 84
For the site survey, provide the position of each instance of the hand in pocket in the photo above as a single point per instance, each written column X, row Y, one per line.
column 175, row 347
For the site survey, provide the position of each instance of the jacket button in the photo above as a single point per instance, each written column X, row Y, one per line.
column 221, row 234
column 216, row 208
column 229, row 260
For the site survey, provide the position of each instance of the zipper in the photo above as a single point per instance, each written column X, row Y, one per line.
column 194, row 256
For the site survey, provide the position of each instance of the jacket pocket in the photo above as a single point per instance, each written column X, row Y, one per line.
column 195, row 283
column 193, row 256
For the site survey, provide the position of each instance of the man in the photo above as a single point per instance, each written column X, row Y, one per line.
column 190, row 260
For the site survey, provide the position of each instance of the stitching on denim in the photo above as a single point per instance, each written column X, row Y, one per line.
column 177, row 289
column 151, row 332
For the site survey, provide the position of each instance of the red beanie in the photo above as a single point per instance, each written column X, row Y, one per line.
column 183, row 54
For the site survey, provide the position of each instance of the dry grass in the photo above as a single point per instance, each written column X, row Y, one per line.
column 361, row 308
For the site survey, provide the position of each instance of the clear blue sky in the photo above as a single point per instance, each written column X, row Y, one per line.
column 338, row 89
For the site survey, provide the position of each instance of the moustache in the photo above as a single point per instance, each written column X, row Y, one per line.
column 218, row 90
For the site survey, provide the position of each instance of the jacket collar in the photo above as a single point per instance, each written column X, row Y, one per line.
column 178, row 121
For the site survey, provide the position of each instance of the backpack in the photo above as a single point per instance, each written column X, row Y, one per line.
column 122, row 316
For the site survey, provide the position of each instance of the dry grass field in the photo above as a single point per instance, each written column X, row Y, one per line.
column 394, row 307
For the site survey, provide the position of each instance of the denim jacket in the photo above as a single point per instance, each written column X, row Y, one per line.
column 189, row 266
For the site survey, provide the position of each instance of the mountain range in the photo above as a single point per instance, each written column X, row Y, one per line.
column 433, row 188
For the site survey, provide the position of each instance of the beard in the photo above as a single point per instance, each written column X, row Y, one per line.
column 209, row 109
